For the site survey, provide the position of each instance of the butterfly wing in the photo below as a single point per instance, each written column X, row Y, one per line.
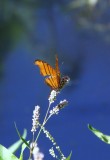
column 48, row 70
column 58, row 76
column 57, row 67
column 45, row 68
column 52, row 82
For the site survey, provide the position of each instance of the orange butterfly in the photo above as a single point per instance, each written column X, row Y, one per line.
column 53, row 75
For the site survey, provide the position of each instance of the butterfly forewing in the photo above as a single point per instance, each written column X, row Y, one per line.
column 57, row 73
column 45, row 68
column 57, row 67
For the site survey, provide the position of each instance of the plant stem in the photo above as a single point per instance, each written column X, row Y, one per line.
column 47, row 113
column 44, row 122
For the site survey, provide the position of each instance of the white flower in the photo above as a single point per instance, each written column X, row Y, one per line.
column 63, row 158
column 61, row 105
column 52, row 153
column 35, row 119
column 55, row 110
column 37, row 155
column 52, row 96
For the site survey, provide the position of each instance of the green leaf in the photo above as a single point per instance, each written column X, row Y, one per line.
column 100, row 135
column 68, row 158
column 6, row 154
column 17, row 144
column 22, row 150
column 23, row 140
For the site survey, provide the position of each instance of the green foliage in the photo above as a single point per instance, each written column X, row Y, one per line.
column 22, row 151
column 13, row 148
column 6, row 154
column 100, row 135
column 69, row 157
column 21, row 137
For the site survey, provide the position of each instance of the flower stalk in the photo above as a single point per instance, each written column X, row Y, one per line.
column 49, row 114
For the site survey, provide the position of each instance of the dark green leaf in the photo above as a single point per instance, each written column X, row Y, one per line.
column 26, row 143
column 17, row 144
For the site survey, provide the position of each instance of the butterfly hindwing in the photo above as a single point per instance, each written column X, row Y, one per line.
column 52, row 82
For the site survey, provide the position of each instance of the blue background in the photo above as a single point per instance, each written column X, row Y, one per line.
column 84, row 55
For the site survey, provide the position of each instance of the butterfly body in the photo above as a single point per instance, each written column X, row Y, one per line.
column 52, row 75
column 63, row 81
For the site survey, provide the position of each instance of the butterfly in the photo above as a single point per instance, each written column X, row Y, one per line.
column 52, row 75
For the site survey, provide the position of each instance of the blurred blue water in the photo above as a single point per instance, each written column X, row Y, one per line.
column 22, row 88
